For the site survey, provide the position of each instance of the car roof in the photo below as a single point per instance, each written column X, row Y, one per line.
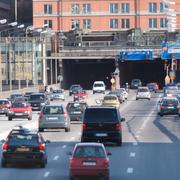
column 101, row 107
column 99, row 82
column 53, row 105
column 22, row 130
column 3, row 99
column 169, row 98
column 89, row 144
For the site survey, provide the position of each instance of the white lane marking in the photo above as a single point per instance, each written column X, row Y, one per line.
column 130, row 170
column 135, row 143
column 56, row 158
column 46, row 174
column 132, row 154
column 64, row 146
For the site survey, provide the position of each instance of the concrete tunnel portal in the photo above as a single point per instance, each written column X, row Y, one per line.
column 86, row 71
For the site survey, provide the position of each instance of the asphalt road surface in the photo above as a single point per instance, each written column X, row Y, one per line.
column 150, row 150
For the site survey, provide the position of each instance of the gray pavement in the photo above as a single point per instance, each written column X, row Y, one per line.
column 150, row 149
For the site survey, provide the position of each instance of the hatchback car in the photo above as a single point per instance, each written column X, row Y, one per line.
column 14, row 96
column 119, row 94
column 76, row 110
column 74, row 88
column 169, row 105
column 135, row 83
column 99, row 87
column 54, row 117
column 57, row 95
column 101, row 123
column 24, row 146
column 80, row 95
column 111, row 100
column 5, row 104
column 20, row 110
column 153, row 87
column 143, row 93
column 89, row 159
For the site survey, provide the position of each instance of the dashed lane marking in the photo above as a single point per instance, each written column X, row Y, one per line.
column 132, row 154
column 64, row 146
column 46, row 174
column 130, row 170
column 56, row 158
column 135, row 143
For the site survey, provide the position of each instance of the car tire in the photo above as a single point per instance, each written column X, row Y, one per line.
column 136, row 99
column 9, row 118
column 93, row 92
column 179, row 115
column 41, row 129
column 71, row 178
column 149, row 99
column 30, row 118
column 103, row 92
column 3, row 164
column 67, row 129
column 161, row 115
column 119, row 142
column 43, row 165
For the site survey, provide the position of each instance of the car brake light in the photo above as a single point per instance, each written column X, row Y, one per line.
column 41, row 116
column 106, row 163
column 84, row 126
column 4, row 147
column 118, row 126
column 178, row 106
column 65, row 114
column 41, row 147
column 161, row 106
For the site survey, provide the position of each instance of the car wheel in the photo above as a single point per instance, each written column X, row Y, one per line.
column 119, row 142
column 30, row 118
column 93, row 92
column 67, row 129
column 43, row 165
column 9, row 118
column 41, row 129
column 71, row 178
column 161, row 115
column 3, row 164
column 179, row 115
column 83, row 140
column 149, row 99
column 136, row 99
column 103, row 92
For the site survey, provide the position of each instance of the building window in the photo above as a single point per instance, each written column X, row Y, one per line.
column 152, row 7
column 125, row 7
column 163, row 6
column 114, row 23
column 86, row 8
column 75, row 8
column 125, row 23
column 75, row 24
column 49, row 23
column 86, row 24
column 114, row 8
column 163, row 23
column 48, row 9
column 152, row 23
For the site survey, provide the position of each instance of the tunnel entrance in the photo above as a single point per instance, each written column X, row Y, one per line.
column 86, row 71
column 147, row 71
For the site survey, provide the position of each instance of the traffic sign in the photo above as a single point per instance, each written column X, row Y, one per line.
column 173, row 50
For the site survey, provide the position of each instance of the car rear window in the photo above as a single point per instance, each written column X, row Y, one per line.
column 37, row 97
column 23, row 139
column 3, row 102
column 53, row 110
column 99, row 85
column 76, row 106
column 170, row 101
column 100, row 115
column 19, row 105
column 89, row 152
column 110, row 98
column 143, row 90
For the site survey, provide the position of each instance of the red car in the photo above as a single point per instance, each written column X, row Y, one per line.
column 20, row 110
column 4, row 106
column 80, row 95
column 89, row 159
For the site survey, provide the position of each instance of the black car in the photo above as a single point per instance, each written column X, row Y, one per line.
column 74, row 89
column 76, row 110
column 24, row 146
column 135, row 83
column 27, row 94
column 102, row 124
column 38, row 100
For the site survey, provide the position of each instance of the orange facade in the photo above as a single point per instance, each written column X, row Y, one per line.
column 106, row 15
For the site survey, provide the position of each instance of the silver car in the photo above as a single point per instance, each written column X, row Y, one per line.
column 57, row 95
column 54, row 117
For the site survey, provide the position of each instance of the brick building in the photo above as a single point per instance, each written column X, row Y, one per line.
column 104, row 15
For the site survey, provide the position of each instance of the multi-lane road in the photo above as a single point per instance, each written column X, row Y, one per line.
column 150, row 150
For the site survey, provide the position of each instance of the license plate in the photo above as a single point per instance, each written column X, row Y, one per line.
column 19, row 114
column 22, row 149
column 77, row 112
column 53, row 118
column 89, row 163
column 170, row 107
column 101, row 134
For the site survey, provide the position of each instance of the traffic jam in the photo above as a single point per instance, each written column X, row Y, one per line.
column 101, row 123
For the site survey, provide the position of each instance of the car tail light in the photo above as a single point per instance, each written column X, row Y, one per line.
column 4, row 147
column 65, row 114
column 41, row 116
column 162, row 107
column 178, row 106
column 84, row 126
column 106, row 163
column 41, row 147
column 118, row 126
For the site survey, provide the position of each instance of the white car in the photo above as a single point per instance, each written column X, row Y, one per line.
column 124, row 92
column 99, row 86
column 143, row 93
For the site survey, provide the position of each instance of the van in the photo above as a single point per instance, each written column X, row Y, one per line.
column 99, row 86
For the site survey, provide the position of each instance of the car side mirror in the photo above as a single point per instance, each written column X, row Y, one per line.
column 122, row 119
column 47, row 141
column 69, row 153
column 109, row 153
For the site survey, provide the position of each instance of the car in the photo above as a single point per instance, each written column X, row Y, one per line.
column 110, row 100
column 169, row 106
column 21, row 99
column 99, row 87
column 54, row 117
column 102, row 124
column 20, row 110
column 76, row 110
column 80, row 95
column 143, row 93
column 57, row 95
column 153, row 87
column 89, row 159
column 14, row 96
column 123, row 90
column 74, row 88
column 119, row 94
column 38, row 100
column 171, row 92
column 27, row 94
column 135, row 83
column 24, row 146
column 5, row 104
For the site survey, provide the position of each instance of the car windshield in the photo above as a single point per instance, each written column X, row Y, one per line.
column 170, row 101
column 142, row 90
column 19, row 105
column 58, row 91
column 89, row 152
column 101, row 115
column 75, row 87
column 110, row 98
column 13, row 96
column 23, row 139
column 37, row 97
column 76, row 106
column 3, row 102
column 53, row 110
column 172, row 91
column 98, row 85
column 135, row 81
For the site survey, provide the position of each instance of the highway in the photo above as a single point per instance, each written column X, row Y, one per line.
column 150, row 149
